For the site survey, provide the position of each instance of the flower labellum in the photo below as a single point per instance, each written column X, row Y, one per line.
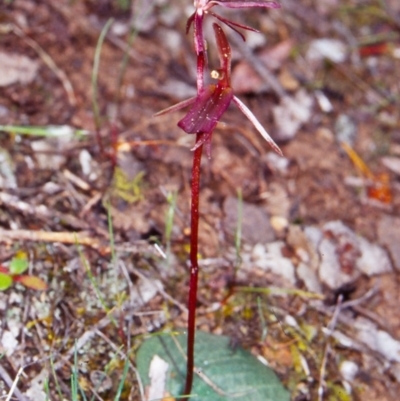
column 207, row 110
column 211, row 103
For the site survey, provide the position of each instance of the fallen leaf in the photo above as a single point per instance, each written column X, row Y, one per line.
column 35, row 283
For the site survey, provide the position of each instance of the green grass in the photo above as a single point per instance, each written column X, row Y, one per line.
column 51, row 131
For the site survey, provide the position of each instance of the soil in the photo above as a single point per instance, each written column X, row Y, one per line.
column 135, row 169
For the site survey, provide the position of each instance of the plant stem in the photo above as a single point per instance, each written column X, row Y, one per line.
column 194, row 268
column 200, row 51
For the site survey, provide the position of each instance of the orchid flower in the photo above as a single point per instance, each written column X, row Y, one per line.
column 203, row 7
column 210, row 104
column 206, row 109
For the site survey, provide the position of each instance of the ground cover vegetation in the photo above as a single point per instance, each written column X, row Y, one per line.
column 295, row 251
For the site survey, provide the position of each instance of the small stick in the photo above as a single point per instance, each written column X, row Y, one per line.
column 45, row 236
column 12, row 384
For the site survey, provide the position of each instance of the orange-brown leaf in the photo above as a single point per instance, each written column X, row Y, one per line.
column 35, row 283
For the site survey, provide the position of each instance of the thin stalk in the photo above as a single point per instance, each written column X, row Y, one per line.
column 95, row 73
column 111, row 235
column 200, row 51
column 238, row 232
column 194, row 267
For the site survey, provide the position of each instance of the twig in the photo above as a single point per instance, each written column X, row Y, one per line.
column 76, row 180
column 46, row 236
column 82, row 238
column 91, row 202
column 12, row 384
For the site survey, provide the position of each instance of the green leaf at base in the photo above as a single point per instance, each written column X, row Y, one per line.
column 19, row 264
column 228, row 373
column 5, row 281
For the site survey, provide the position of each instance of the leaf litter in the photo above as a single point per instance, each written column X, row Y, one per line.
column 314, row 205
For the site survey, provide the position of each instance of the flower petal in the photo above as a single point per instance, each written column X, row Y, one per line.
column 249, row 114
column 207, row 110
column 224, row 51
column 176, row 107
column 246, row 3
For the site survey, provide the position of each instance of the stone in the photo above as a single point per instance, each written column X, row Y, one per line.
column 256, row 226
column 389, row 237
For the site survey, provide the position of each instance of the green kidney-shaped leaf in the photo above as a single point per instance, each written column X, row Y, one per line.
column 235, row 373
column 5, row 281
column 19, row 264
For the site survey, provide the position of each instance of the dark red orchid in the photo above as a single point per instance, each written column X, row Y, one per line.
column 203, row 7
column 210, row 104
column 206, row 109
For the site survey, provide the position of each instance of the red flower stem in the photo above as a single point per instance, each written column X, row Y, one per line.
column 200, row 51
column 114, row 143
column 201, row 61
column 194, row 268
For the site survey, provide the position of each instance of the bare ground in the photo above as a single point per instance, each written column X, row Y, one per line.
column 53, row 188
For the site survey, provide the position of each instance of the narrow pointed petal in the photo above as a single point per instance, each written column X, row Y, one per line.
column 204, row 139
column 207, row 110
column 249, row 114
column 246, row 3
column 224, row 52
column 176, row 107
column 190, row 22
column 198, row 33
column 200, row 48
column 234, row 25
